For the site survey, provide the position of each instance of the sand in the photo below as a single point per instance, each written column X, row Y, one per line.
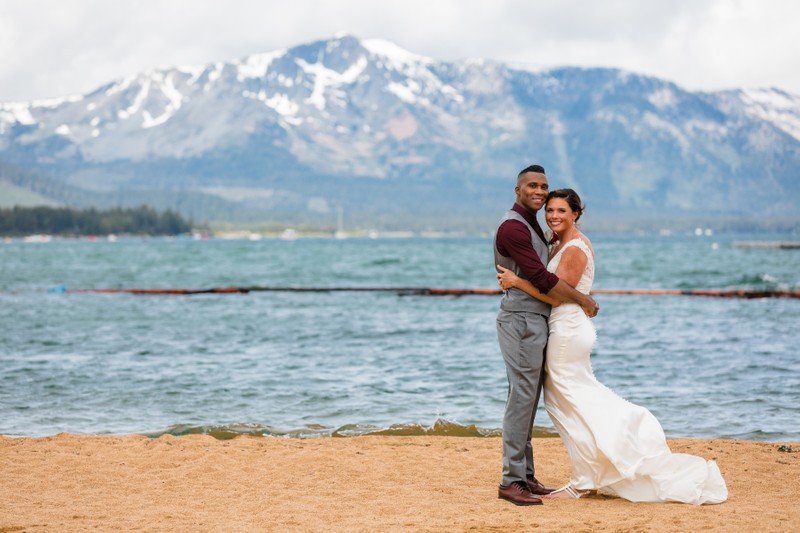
column 372, row 483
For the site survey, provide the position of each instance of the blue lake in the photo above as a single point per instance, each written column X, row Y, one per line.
column 344, row 363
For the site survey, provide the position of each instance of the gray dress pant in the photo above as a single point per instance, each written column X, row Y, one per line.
column 523, row 338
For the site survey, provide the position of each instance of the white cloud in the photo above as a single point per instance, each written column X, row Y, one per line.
column 53, row 48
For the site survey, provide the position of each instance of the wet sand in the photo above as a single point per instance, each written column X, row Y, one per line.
column 371, row 483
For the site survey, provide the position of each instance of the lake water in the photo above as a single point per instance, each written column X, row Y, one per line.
column 345, row 363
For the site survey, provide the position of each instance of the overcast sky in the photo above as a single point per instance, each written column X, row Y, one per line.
column 58, row 47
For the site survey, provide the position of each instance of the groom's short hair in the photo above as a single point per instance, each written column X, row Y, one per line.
column 539, row 169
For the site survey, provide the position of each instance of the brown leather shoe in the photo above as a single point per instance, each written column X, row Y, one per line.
column 518, row 494
column 537, row 488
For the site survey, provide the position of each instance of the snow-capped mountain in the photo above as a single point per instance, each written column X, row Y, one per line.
column 367, row 125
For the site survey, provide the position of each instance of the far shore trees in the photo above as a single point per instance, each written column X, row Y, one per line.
column 66, row 221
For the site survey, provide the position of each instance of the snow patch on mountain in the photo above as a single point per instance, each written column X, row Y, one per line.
column 408, row 92
column 279, row 102
column 325, row 78
column 15, row 112
column 167, row 88
column 214, row 73
column 706, row 127
column 394, row 56
column 257, row 65
column 662, row 98
column 657, row 123
column 131, row 110
column 24, row 113
column 773, row 105
column 532, row 68
column 194, row 72
column 121, row 85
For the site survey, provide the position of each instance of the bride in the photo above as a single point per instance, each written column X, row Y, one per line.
column 614, row 446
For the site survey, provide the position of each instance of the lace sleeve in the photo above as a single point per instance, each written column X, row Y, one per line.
column 583, row 247
column 587, row 279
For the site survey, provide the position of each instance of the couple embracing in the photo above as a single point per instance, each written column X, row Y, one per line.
column 546, row 337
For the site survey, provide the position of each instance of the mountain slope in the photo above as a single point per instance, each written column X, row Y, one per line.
column 383, row 132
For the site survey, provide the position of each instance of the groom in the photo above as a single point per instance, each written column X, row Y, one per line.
column 522, row 331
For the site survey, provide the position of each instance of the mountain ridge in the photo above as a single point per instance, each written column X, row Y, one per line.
column 382, row 132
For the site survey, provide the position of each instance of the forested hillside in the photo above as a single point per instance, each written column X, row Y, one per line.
column 67, row 221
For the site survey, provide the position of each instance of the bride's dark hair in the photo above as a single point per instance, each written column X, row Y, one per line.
column 572, row 199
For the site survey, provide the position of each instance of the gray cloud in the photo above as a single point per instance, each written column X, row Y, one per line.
column 53, row 48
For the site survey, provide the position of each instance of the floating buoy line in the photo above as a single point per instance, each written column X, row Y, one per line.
column 429, row 291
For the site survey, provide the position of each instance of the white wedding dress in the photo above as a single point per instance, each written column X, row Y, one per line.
column 614, row 446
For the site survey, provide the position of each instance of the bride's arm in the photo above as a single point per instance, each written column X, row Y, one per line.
column 507, row 279
column 570, row 269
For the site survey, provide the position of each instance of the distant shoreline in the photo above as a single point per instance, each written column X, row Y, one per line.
column 484, row 224
column 290, row 234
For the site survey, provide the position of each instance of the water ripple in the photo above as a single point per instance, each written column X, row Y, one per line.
column 335, row 364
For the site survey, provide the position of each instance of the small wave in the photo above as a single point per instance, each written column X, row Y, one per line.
column 384, row 262
column 440, row 428
column 743, row 282
column 764, row 436
column 753, row 279
column 230, row 431
column 761, row 281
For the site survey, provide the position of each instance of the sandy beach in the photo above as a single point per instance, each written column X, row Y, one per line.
column 372, row 483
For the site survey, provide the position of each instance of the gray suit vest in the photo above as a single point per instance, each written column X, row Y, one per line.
column 515, row 299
